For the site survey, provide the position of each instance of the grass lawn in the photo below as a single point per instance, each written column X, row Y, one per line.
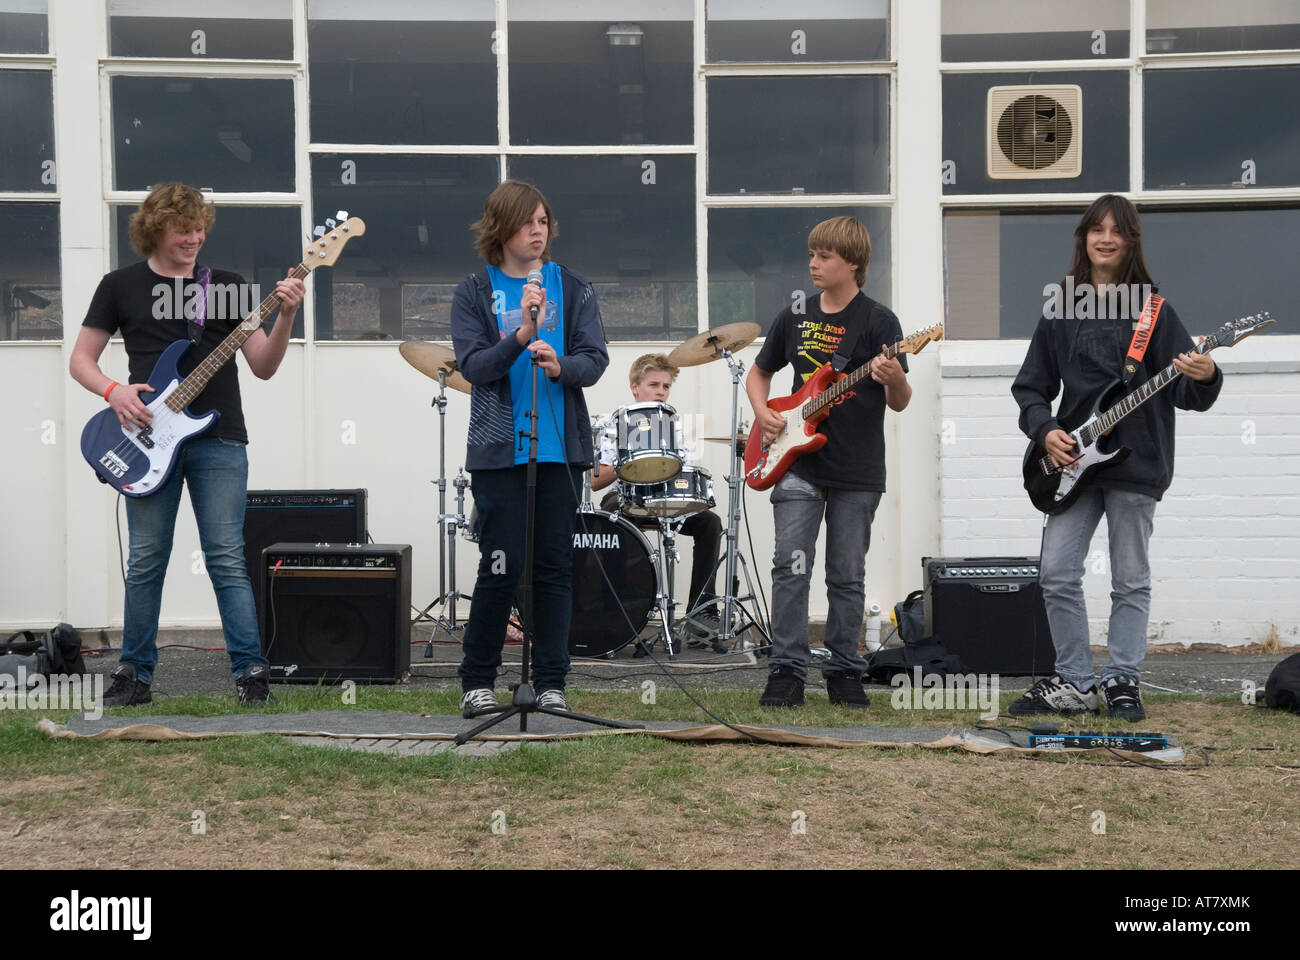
column 633, row 801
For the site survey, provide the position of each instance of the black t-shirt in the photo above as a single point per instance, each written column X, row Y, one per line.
column 132, row 300
column 854, row 455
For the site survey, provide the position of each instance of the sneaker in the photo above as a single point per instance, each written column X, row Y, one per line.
column 845, row 690
column 1054, row 695
column 705, row 625
column 252, row 686
column 553, row 700
column 1123, row 699
column 477, row 701
column 125, row 690
column 783, row 689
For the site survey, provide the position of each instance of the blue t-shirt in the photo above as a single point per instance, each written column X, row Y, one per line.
column 506, row 294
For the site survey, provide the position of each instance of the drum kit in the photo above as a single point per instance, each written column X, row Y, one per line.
column 619, row 577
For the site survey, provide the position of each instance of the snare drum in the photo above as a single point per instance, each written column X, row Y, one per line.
column 648, row 443
column 691, row 491
column 612, row 567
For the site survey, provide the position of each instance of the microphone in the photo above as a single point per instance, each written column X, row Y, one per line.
column 534, row 279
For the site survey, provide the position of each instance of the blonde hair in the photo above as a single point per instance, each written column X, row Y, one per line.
column 847, row 237
column 649, row 363
column 169, row 206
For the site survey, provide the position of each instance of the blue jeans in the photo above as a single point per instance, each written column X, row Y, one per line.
column 216, row 472
column 799, row 506
column 1129, row 520
column 500, row 496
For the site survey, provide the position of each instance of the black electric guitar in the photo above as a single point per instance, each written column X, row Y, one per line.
column 1053, row 489
column 138, row 460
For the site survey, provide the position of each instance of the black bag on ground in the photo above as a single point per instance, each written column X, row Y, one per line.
column 917, row 650
column 1282, row 689
column 56, row 652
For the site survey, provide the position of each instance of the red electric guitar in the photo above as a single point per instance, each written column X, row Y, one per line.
column 765, row 463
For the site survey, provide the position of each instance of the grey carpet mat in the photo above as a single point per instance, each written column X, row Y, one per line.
column 391, row 725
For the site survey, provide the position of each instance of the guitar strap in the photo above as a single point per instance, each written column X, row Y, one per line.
column 1137, row 348
column 840, row 360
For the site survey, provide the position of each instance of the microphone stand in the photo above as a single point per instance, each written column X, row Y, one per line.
column 524, row 700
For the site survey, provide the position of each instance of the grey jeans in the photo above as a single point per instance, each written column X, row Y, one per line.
column 799, row 507
column 1129, row 520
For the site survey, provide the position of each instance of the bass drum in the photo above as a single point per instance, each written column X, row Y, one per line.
column 614, row 584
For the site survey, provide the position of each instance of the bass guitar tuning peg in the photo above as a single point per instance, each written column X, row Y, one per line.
column 341, row 216
column 329, row 222
column 318, row 232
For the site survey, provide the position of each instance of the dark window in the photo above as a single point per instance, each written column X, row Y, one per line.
column 618, row 80
column 31, row 296
column 628, row 225
column 394, row 283
column 27, row 130
column 25, row 29
column 798, row 135
column 250, row 31
column 1220, row 128
column 758, row 260
column 791, row 31
column 230, row 135
column 402, row 81
column 1034, row 30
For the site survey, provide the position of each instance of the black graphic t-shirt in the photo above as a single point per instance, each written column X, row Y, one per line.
column 854, row 455
column 146, row 309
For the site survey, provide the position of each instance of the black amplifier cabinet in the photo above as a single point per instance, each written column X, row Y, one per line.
column 336, row 612
column 989, row 611
column 299, row 516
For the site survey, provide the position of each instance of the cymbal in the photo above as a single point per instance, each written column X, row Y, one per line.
column 740, row 440
column 429, row 358
column 705, row 347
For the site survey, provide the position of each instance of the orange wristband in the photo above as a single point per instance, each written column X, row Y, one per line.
column 110, row 390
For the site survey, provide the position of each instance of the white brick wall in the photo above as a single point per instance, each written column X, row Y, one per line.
column 1225, row 555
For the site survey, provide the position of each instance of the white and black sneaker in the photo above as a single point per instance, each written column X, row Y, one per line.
column 1123, row 699
column 553, row 700
column 1054, row 695
column 476, row 702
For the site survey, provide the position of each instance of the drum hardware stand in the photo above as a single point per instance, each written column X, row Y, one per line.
column 448, row 525
column 664, row 560
column 524, row 701
column 730, row 600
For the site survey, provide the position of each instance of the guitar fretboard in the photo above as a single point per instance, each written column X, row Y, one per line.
column 1142, row 394
column 193, row 385
column 844, row 385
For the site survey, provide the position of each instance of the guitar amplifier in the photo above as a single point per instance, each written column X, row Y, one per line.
column 299, row 516
column 989, row 611
column 337, row 612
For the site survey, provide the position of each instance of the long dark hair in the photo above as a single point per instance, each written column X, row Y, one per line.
column 1134, row 267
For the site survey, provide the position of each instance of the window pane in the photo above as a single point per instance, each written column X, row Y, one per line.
column 417, row 212
column 1105, row 132
column 798, row 135
column 1191, row 253
column 246, row 29
column 32, row 298
column 758, row 260
column 428, row 76
column 27, row 122
column 24, row 26
column 1175, row 26
column 230, row 135
column 261, row 244
column 627, row 224
column 786, row 31
column 1034, row 30
column 997, row 263
column 1244, row 123
column 615, row 72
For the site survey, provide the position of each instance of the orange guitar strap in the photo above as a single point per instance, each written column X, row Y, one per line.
column 1137, row 349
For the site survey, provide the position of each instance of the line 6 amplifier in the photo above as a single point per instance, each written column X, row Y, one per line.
column 989, row 611
column 335, row 612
